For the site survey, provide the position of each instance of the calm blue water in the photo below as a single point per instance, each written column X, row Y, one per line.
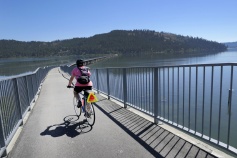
column 229, row 56
column 15, row 66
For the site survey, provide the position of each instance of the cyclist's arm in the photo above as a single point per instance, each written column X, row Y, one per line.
column 70, row 80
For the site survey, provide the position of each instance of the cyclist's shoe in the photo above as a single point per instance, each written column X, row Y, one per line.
column 87, row 115
column 79, row 104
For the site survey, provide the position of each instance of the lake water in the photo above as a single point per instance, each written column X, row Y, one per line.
column 229, row 56
column 16, row 66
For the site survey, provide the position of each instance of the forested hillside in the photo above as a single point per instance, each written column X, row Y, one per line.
column 117, row 41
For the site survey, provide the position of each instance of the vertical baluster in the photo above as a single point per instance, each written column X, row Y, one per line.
column 203, row 97
column 164, row 93
column 210, row 126
column 143, row 90
column 155, row 93
column 132, row 86
column 32, row 88
column 97, row 80
column 159, row 92
column 140, row 94
column 27, row 91
column 229, row 107
column 196, row 88
column 168, row 93
column 178, row 97
column 125, row 87
column 183, row 91
column 2, row 139
column 17, row 97
column 148, row 88
column 107, row 70
column 173, row 94
column 189, row 98
column 220, row 100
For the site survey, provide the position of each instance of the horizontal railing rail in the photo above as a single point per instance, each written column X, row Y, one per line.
column 16, row 96
column 199, row 99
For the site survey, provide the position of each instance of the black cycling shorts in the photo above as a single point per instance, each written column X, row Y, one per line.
column 79, row 89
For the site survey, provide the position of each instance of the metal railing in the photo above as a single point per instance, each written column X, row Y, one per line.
column 16, row 96
column 199, row 99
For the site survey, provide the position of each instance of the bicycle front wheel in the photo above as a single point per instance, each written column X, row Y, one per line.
column 90, row 114
column 76, row 109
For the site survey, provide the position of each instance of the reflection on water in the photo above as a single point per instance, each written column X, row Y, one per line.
column 168, row 60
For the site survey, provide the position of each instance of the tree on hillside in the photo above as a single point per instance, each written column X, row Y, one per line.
column 116, row 41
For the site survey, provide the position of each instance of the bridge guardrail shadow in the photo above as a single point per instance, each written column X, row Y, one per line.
column 158, row 141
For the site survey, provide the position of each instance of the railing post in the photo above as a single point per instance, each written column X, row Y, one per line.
column 27, row 89
column 31, row 90
column 2, row 140
column 18, row 103
column 125, row 87
column 34, row 81
column 155, row 93
column 108, row 83
column 97, row 79
column 229, row 105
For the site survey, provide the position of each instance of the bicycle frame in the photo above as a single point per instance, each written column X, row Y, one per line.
column 83, row 99
column 87, row 107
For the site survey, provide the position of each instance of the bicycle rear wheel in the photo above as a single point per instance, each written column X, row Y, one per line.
column 90, row 114
column 76, row 109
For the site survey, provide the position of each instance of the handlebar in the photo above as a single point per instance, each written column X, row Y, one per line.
column 70, row 86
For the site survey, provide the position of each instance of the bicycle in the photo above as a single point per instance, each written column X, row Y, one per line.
column 88, row 108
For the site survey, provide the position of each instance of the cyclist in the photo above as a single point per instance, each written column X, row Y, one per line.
column 76, row 73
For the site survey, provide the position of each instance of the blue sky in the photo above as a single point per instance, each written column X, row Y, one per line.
column 49, row 20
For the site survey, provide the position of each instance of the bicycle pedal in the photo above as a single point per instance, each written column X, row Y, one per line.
column 87, row 115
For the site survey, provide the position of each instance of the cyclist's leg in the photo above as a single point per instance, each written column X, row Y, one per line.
column 76, row 95
column 77, row 90
column 87, row 88
column 89, row 108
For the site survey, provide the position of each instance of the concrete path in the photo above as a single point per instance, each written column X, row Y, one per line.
column 53, row 131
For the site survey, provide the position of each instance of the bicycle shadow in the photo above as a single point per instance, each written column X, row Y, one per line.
column 71, row 127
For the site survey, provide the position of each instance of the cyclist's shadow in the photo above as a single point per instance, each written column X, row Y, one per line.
column 71, row 127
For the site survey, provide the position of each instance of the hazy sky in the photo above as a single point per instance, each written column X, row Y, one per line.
column 49, row 20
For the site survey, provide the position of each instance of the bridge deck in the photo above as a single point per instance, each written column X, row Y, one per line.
column 52, row 131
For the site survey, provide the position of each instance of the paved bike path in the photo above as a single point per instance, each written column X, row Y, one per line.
column 53, row 107
column 52, row 130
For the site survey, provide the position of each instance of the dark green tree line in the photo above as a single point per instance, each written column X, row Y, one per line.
column 117, row 41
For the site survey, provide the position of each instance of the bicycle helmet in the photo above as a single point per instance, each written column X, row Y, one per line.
column 80, row 62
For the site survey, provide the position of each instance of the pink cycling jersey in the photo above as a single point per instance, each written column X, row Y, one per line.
column 76, row 73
